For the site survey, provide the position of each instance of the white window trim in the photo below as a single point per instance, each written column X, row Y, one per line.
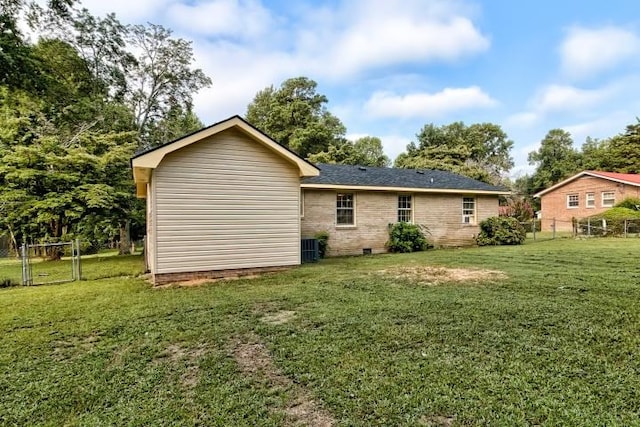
column 353, row 194
column 577, row 198
column 593, row 200
column 301, row 203
column 473, row 218
column 613, row 202
column 404, row 209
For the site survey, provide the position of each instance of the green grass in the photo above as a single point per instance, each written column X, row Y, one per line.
column 555, row 343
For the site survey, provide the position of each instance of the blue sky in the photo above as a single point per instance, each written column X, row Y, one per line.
column 390, row 67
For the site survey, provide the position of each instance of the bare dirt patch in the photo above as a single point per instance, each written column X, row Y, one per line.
column 436, row 421
column 279, row 317
column 175, row 353
column 200, row 282
column 434, row 275
column 254, row 360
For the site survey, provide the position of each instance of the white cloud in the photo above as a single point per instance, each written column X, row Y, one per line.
column 235, row 18
column 586, row 52
column 566, row 98
column 394, row 145
column 524, row 119
column 129, row 11
column 427, row 105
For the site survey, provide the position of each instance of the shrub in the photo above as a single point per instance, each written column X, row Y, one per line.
column 501, row 231
column 323, row 242
column 629, row 203
column 405, row 237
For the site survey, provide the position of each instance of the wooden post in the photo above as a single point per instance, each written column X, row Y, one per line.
column 553, row 226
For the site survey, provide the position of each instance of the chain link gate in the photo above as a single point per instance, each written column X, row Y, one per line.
column 58, row 276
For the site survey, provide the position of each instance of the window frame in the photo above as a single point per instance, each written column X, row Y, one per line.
column 573, row 197
column 613, row 199
column 469, row 219
column 590, row 203
column 404, row 209
column 352, row 208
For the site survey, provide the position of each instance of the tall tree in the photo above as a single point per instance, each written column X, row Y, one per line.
column 480, row 151
column 296, row 116
column 162, row 79
column 365, row 151
column 555, row 160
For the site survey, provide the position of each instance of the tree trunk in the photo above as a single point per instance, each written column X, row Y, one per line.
column 125, row 239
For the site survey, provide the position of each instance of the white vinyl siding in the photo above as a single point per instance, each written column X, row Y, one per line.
column 226, row 202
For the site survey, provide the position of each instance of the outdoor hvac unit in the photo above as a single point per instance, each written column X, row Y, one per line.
column 310, row 250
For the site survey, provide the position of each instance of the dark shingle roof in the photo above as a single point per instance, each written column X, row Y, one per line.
column 359, row 176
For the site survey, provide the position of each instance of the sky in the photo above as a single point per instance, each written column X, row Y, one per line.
column 390, row 67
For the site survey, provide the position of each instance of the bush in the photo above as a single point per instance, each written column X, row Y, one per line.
column 323, row 242
column 501, row 231
column 405, row 237
column 629, row 203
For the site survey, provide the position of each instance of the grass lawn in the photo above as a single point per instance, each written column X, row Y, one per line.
column 550, row 337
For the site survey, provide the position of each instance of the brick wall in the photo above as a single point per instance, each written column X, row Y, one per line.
column 375, row 210
column 554, row 203
column 164, row 278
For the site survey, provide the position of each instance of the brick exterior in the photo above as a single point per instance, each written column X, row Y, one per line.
column 165, row 278
column 554, row 204
column 375, row 210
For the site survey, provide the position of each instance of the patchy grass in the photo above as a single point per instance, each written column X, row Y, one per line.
column 553, row 340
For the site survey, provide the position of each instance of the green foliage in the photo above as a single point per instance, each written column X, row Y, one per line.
column 295, row 115
column 365, row 151
column 405, row 237
column 612, row 222
column 480, row 151
column 632, row 203
column 555, row 160
column 323, row 242
column 518, row 208
column 499, row 230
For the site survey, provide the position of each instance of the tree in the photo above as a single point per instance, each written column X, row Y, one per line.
column 162, row 78
column 555, row 160
column 365, row 151
column 623, row 151
column 480, row 151
column 296, row 116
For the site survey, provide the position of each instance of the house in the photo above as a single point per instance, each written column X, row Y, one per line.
column 222, row 200
column 229, row 200
column 584, row 194
column 356, row 205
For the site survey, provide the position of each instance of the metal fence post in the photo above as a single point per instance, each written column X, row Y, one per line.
column 588, row 226
column 25, row 269
column 79, row 267
column 625, row 228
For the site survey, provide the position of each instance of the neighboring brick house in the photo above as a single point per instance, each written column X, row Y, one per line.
column 356, row 205
column 584, row 194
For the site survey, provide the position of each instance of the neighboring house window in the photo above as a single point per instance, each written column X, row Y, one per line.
column 590, row 200
column 608, row 199
column 404, row 208
column 468, row 210
column 573, row 201
column 344, row 209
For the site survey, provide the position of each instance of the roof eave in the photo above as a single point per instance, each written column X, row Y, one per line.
column 403, row 189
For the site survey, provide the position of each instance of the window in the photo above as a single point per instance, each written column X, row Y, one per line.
column 468, row 210
column 344, row 209
column 573, row 201
column 404, row 208
column 608, row 199
column 590, row 200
